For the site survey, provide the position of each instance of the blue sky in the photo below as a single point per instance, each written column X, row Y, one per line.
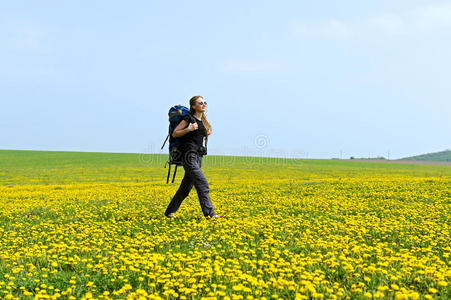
column 316, row 79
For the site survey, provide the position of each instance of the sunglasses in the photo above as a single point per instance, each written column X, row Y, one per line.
column 202, row 103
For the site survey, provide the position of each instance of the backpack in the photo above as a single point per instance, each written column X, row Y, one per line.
column 176, row 113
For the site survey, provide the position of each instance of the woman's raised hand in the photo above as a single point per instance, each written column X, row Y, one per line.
column 192, row 126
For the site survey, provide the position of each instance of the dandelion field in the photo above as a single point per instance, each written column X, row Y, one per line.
column 91, row 225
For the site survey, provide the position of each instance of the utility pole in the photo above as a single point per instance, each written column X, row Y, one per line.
column 341, row 154
column 388, row 155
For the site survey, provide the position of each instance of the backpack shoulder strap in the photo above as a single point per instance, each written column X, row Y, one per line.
column 191, row 118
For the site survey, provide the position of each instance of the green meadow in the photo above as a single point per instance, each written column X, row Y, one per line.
column 79, row 225
column 59, row 167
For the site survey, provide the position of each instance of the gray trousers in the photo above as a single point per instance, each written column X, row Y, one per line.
column 192, row 163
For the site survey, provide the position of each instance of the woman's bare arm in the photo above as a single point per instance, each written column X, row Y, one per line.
column 183, row 128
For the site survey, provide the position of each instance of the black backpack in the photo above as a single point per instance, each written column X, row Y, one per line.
column 176, row 114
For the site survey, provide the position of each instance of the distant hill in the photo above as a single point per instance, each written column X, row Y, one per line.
column 435, row 156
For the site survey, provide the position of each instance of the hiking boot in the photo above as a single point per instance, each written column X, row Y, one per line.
column 217, row 216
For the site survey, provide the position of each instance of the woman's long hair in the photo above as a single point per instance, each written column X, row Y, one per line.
column 204, row 119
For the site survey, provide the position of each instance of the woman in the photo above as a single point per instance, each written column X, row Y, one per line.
column 191, row 131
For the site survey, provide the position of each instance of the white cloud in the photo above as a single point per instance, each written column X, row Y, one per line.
column 254, row 66
column 432, row 16
column 24, row 36
column 330, row 29
column 423, row 19
column 389, row 23
column 426, row 19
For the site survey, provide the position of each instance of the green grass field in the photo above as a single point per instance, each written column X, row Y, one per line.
column 59, row 167
column 80, row 225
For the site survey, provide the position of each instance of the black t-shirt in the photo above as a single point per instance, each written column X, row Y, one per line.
column 193, row 139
